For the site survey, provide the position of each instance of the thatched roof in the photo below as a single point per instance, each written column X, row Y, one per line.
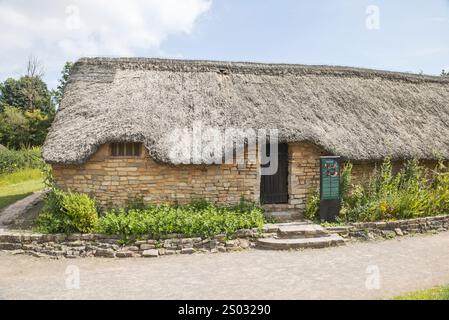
column 359, row 114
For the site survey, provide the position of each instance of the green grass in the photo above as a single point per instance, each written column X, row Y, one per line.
column 438, row 293
column 17, row 185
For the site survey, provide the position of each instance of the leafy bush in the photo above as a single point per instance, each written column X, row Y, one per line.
column 312, row 205
column 199, row 218
column 15, row 160
column 345, row 181
column 67, row 212
column 411, row 193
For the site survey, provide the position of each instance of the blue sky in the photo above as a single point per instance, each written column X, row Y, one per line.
column 411, row 35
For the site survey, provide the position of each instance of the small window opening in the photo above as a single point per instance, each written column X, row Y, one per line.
column 126, row 149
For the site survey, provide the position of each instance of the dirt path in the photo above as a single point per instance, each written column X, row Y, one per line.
column 403, row 265
column 22, row 213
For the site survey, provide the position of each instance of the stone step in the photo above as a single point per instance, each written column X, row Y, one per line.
column 284, row 215
column 294, row 231
column 300, row 243
column 274, row 227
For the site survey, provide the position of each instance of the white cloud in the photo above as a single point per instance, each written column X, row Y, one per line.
column 57, row 31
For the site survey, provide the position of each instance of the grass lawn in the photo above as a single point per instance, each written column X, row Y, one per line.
column 18, row 185
column 438, row 293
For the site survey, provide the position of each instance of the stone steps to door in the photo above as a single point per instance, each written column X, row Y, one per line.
column 282, row 216
column 297, row 235
column 301, row 231
column 300, row 243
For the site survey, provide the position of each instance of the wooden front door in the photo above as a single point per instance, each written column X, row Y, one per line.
column 274, row 188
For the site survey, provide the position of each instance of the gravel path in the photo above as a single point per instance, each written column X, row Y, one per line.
column 403, row 265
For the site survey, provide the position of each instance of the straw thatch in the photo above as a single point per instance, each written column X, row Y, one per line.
column 359, row 114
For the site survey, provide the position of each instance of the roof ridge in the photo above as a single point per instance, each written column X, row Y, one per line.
column 183, row 65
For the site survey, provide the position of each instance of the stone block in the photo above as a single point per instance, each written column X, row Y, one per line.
column 152, row 253
column 124, row 254
column 10, row 246
column 187, row 250
column 106, row 253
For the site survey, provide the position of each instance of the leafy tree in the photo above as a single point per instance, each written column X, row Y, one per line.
column 65, row 73
column 8, row 93
column 26, row 108
column 14, row 127
column 38, row 124
column 27, row 93
column 22, row 129
column 445, row 73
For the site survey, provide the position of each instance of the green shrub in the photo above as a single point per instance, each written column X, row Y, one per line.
column 411, row 193
column 67, row 212
column 313, row 205
column 81, row 212
column 199, row 218
column 15, row 160
column 345, row 181
column 439, row 196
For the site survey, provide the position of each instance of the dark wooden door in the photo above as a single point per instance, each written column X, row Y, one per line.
column 274, row 188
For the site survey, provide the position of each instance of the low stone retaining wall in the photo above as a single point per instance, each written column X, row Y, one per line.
column 96, row 245
column 391, row 229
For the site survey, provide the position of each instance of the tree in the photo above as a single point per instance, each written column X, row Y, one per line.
column 65, row 73
column 18, row 129
column 38, row 125
column 9, row 96
column 26, row 108
column 29, row 92
column 34, row 68
column 14, row 128
column 445, row 73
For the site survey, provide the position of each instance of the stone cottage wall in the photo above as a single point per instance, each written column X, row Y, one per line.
column 117, row 181
column 362, row 170
column 304, row 172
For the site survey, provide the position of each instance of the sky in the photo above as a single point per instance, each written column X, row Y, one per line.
column 396, row 35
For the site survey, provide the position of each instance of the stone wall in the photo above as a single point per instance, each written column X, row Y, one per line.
column 115, row 181
column 97, row 245
column 304, row 172
column 390, row 229
column 362, row 170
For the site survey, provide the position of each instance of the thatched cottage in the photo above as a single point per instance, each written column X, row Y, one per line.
column 112, row 135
